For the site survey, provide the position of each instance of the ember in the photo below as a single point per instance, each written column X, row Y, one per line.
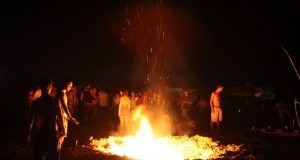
column 145, row 145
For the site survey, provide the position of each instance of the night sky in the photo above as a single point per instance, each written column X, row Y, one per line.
column 234, row 42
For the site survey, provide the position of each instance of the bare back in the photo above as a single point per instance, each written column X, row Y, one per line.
column 46, row 109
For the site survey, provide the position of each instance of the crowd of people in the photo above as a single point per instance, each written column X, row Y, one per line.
column 51, row 106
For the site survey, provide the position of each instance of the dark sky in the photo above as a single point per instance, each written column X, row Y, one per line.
column 235, row 42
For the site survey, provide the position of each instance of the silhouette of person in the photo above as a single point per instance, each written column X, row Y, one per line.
column 46, row 117
column 186, row 105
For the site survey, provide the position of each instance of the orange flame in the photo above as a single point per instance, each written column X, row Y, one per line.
column 144, row 145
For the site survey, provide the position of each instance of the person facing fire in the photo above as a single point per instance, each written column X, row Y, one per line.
column 133, row 101
column 72, row 100
column 124, row 112
column 186, row 105
column 89, row 103
column 32, row 95
column 103, row 109
column 65, row 87
column 115, row 108
column 46, row 118
column 216, row 109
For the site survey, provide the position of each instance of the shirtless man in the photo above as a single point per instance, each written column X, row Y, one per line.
column 46, row 118
column 216, row 110
column 63, row 98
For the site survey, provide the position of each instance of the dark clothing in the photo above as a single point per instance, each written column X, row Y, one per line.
column 72, row 101
column 45, row 111
column 47, row 118
column 87, row 97
column 186, row 106
column 186, row 102
column 46, row 144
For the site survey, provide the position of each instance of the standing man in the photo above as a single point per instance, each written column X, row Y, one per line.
column 72, row 100
column 216, row 109
column 46, row 115
column 115, row 108
column 103, row 108
column 63, row 98
column 124, row 112
column 133, row 101
column 186, row 105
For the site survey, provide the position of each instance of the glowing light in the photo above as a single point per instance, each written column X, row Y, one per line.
column 144, row 145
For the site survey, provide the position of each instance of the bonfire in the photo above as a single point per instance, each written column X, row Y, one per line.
column 146, row 145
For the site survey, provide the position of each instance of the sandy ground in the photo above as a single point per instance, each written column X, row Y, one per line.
column 256, row 145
